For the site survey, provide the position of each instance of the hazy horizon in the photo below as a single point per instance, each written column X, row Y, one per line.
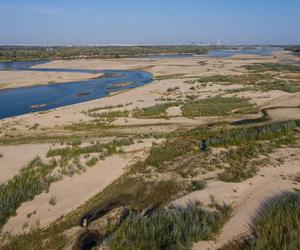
column 132, row 22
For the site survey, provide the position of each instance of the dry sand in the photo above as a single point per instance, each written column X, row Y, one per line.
column 15, row 157
column 17, row 79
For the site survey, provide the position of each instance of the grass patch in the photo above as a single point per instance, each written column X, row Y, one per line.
column 156, row 111
column 214, row 106
column 253, row 82
column 31, row 181
column 70, row 153
column 92, row 162
column 169, row 228
column 198, row 185
column 283, row 85
column 241, row 165
column 111, row 114
column 277, row 67
column 276, row 226
column 244, row 135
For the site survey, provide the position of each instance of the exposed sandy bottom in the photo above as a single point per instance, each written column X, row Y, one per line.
column 17, row 79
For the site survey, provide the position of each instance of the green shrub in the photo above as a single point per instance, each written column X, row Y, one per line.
column 198, row 185
column 156, row 111
column 276, row 226
column 169, row 228
column 243, row 135
column 277, row 67
column 31, row 181
column 92, row 162
column 213, row 106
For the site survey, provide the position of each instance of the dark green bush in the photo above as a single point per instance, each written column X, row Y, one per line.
column 171, row 229
column 31, row 181
column 214, row 106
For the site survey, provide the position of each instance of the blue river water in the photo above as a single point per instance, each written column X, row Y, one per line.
column 40, row 98
column 263, row 51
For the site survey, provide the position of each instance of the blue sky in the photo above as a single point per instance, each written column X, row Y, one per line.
column 149, row 21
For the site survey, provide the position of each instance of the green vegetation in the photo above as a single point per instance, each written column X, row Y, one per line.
column 180, row 156
column 36, row 177
column 242, row 162
column 214, row 106
column 156, row 111
column 14, row 53
column 283, row 85
column 110, row 114
column 52, row 201
column 254, row 82
column 198, row 185
column 276, row 226
column 92, row 162
column 219, row 79
column 169, row 228
column 277, row 67
column 180, row 153
column 31, row 181
column 69, row 153
column 242, row 136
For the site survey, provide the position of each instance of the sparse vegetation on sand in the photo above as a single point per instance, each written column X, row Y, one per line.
column 276, row 226
column 184, row 148
column 156, row 111
column 132, row 190
column 37, row 176
column 111, row 114
column 254, row 82
column 69, row 153
column 32, row 180
column 92, row 162
column 244, row 135
column 277, row 67
column 214, row 106
column 174, row 228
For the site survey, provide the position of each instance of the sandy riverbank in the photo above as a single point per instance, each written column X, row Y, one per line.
column 17, row 79
column 71, row 192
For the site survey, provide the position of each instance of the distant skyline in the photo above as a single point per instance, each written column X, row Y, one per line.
column 79, row 22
